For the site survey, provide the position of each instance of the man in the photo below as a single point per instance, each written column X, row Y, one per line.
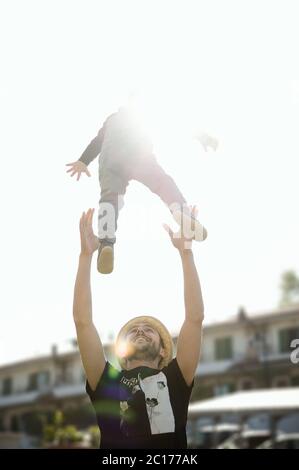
column 126, row 153
column 145, row 404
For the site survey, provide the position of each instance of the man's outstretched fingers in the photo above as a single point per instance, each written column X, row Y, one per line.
column 84, row 221
column 81, row 224
column 194, row 211
column 168, row 230
column 89, row 216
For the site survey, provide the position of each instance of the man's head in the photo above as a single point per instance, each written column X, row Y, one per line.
column 144, row 339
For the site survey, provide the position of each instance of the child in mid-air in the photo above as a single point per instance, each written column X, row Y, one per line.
column 126, row 153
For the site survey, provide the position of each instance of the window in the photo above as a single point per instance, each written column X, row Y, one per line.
column 247, row 384
column 223, row 349
column 224, row 389
column 203, row 392
column 14, row 424
column 295, row 381
column 286, row 336
column 32, row 382
column 43, row 380
column 7, row 386
column 38, row 380
column 281, row 382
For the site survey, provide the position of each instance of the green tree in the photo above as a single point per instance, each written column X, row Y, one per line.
column 289, row 288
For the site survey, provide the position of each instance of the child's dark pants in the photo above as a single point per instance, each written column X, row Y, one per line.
column 114, row 178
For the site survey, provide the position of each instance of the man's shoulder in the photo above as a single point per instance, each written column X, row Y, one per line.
column 171, row 363
column 172, row 368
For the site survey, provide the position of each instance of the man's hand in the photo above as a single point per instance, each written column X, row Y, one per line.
column 179, row 241
column 207, row 141
column 78, row 167
column 89, row 242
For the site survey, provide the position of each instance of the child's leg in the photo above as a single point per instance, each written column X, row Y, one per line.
column 113, row 188
column 152, row 175
column 107, row 216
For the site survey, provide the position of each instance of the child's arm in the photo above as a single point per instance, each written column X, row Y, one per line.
column 93, row 149
column 89, row 154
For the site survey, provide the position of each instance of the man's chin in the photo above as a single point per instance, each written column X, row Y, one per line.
column 140, row 351
column 142, row 346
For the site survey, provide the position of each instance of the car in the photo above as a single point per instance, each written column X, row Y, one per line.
column 209, row 436
column 282, row 441
column 247, row 439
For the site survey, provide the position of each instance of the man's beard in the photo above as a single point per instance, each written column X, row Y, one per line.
column 147, row 351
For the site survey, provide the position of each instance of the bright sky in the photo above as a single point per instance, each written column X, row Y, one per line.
column 230, row 68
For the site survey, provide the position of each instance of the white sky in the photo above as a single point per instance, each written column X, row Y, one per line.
column 64, row 66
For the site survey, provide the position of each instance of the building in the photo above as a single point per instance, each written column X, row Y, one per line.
column 248, row 351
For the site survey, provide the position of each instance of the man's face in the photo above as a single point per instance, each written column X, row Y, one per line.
column 143, row 342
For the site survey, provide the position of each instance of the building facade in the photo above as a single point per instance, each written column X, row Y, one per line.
column 248, row 351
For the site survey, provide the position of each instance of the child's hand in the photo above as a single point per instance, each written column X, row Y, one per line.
column 78, row 167
column 207, row 141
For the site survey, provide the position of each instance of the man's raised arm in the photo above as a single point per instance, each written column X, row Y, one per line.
column 189, row 340
column 90, row 346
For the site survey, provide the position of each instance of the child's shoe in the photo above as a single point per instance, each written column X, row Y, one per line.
column 105, row 257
